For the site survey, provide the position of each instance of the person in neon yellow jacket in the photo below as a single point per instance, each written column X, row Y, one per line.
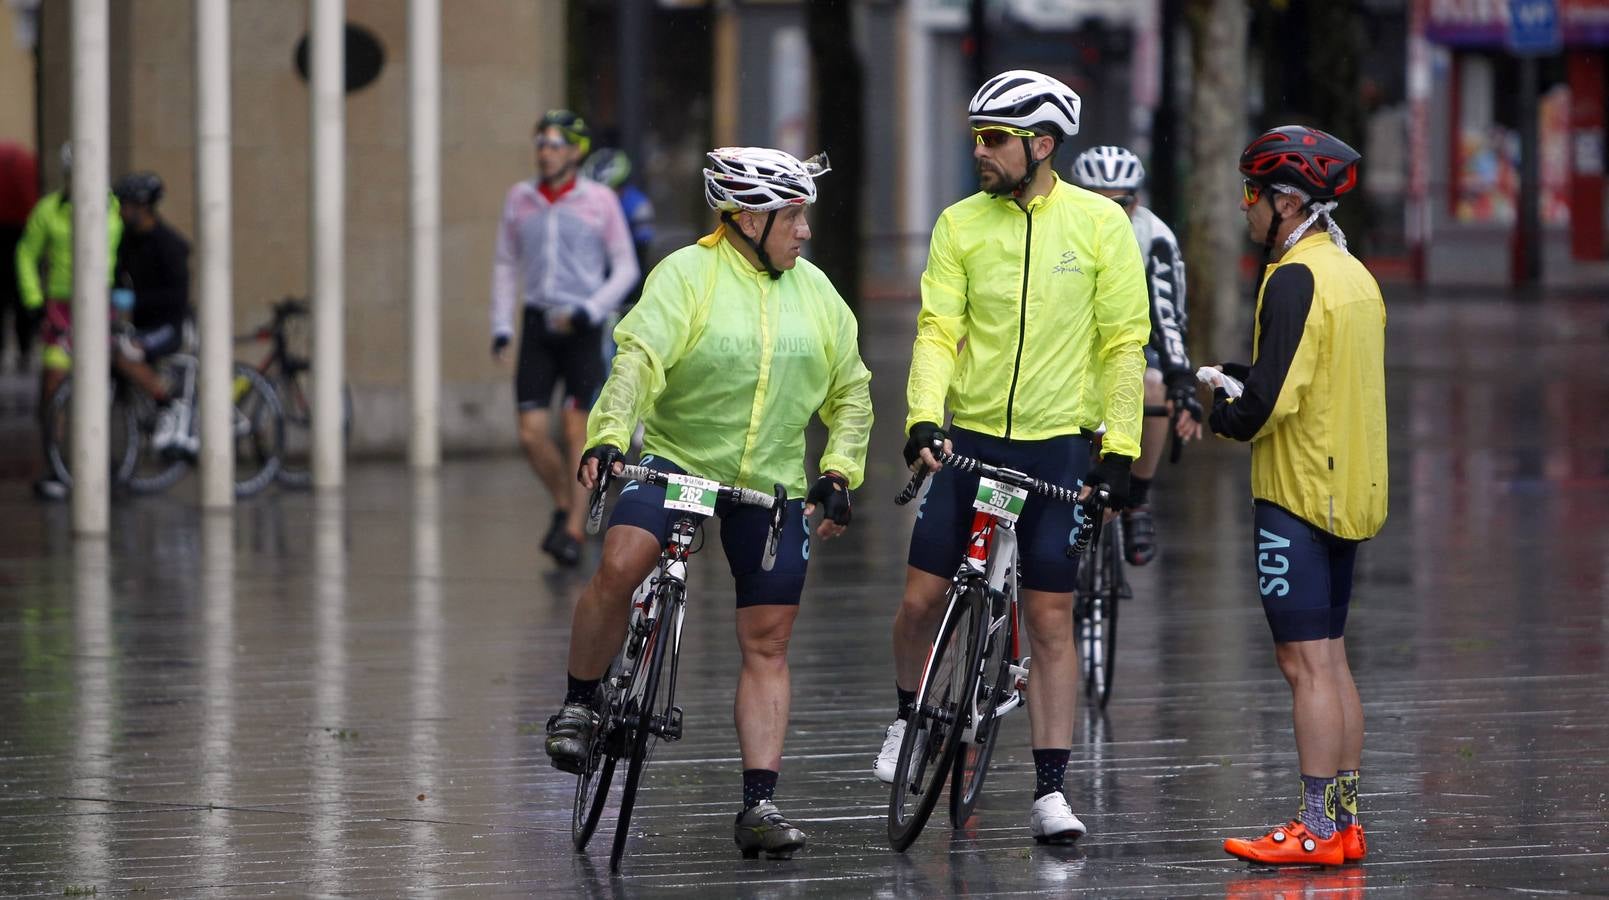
column 1034, row 316
column 735, row 344
column 48, row 237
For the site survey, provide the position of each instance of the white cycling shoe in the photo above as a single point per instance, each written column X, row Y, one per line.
column 888, row 757
column 1052, row 820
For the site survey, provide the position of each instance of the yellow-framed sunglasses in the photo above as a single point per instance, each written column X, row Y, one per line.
column 997, row 135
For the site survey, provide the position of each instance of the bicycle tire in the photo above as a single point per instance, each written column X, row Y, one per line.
column 154, row 472
column 258, row 423
column 972, row 759
column 296, row 467
column 948, row 675
column 1114, row 593
column 122, row 455
column 592, row 785
column 1096, row 625
column 639, row 740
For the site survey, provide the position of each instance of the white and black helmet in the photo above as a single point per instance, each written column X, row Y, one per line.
column 1108, row 168
column 759, row 179
column 1027, row 99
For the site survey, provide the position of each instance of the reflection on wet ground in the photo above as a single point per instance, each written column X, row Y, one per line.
column 321, row 697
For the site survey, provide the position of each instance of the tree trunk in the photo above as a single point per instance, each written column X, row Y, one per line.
column 839, row 111
column 1215, row 229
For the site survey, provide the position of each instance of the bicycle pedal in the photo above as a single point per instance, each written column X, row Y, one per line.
column 673, row 724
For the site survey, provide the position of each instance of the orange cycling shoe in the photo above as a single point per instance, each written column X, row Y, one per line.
column 1353, row 846
column 1290, row 844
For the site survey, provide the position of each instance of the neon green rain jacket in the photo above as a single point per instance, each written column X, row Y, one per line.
column 1033, row 323
column 726, row 366
column 49, row 233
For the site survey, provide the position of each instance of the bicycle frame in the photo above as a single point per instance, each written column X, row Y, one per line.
column 669, row 581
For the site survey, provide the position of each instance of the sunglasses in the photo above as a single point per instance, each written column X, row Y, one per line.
column 1251, row 191
column 997, row 135
column 1124, row 200
column 543, row 143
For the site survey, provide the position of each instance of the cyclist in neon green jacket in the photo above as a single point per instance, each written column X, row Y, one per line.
column 736, row 343
column 48, row 238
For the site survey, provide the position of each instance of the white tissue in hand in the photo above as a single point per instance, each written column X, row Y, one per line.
column 1216, row 379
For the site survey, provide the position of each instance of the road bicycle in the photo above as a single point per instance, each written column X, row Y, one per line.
column 974, row 675
column 288, row 367
column 637, row 697
column 137, row 465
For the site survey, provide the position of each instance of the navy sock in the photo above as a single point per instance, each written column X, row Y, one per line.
column 758, row 786
column 1050, row 767
column 580, row 690
column 1346, row 811
column 1318, row 804
column 907, row 701
column 1139, row 491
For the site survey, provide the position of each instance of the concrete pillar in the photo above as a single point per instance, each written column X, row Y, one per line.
column 424, row 287
column 90, row 261
column 216, row 314
column 328, row 204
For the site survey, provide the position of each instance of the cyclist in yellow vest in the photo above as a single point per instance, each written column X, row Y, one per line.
column 1033, row 323
column 1314, row 411
column 736, row 343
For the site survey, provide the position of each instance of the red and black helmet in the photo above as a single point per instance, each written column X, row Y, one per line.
column 1318, row 163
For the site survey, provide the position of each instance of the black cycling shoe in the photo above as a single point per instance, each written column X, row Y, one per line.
column 550, row 544
column 1139, row 535
column 569, row 737
column 761, row 827
column 566, row 549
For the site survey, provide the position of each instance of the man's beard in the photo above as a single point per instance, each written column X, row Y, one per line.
column 993, row 179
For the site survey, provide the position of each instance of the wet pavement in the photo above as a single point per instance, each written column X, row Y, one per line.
column 333, row 697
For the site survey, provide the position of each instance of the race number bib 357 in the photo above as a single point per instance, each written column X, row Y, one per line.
column 1003, row 501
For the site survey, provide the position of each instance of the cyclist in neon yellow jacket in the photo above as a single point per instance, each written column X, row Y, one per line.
column 735, row 344
column 48, row 237
column 1041, row 287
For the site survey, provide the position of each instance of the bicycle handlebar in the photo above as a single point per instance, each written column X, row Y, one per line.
column 1092, row 505
column 776, row 502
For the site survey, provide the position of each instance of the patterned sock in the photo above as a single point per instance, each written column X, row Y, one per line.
column 1346, row 813
column 907, row 700
column 1139, row 491
column 1050, row 767
column 1318, row 805
column 758, row 786
column 580, row 690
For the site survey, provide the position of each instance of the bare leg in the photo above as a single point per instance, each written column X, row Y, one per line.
column 544, row 456
column 763, row 689
column 575, row 438
column 143, row 376
column 1153, row 430
column 1351, row 707
column 1318, row 711
column 599, row 622
column 918, row 616
column 1053, row 678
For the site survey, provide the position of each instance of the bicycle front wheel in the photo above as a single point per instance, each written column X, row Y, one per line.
column 592, row 786
column 639, row 715
column 1097, row 622
column 123, row 436
column 992, row 688
column 933, row 731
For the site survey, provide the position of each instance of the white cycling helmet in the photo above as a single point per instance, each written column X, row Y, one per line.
column 1108, row 168
column 759, row 179
column 1026, row 99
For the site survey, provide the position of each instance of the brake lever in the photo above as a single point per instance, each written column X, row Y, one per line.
column 774, row 536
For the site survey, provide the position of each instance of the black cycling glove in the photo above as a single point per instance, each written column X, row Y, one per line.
column 831, row 494
column 606, row 455
column 1112, row 472
column 924, row 435
column 1182, row 391
column 499, row 343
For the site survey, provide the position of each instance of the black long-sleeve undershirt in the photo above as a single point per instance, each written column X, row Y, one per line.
column 156, row 264
column 1287, row 298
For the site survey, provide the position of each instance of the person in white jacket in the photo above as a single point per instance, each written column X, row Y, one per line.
column 564, row 250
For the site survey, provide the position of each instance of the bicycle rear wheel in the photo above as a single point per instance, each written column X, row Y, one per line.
column 639, row 716
column 258, row 425
column 993, row 686
column 592, row 786
column 933, row 731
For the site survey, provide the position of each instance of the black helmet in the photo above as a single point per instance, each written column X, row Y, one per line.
column 1315, row 162
column 574, row 127
column 139, row 188
column 607, row 166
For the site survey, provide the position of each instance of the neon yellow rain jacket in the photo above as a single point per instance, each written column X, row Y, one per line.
column 726, row 366
column 49, row 233
column 1033, row 323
